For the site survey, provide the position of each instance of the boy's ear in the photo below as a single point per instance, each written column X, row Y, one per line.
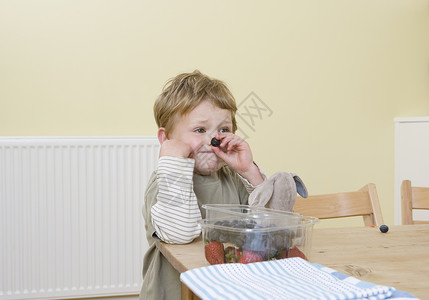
column 162, row 136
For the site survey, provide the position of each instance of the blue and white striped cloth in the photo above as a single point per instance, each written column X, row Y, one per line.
column 292, row 278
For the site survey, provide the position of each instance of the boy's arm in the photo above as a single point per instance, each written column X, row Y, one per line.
column 176, row 212
column 249, row 186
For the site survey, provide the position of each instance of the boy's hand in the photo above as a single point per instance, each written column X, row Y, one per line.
column 175, row 148
column 236, row 153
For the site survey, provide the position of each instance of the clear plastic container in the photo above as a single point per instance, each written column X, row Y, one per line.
column 244, row 234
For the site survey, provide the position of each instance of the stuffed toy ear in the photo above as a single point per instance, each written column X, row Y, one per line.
column 300, row 186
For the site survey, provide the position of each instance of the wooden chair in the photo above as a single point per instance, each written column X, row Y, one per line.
column 413, row 197
column 363, row 202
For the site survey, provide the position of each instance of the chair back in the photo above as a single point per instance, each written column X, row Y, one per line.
column 363, row 202
column 413, row 197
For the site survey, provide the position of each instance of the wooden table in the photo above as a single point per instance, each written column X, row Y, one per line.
column 398, row 258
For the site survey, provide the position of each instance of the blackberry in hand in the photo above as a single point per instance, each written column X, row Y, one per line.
column 215, row 142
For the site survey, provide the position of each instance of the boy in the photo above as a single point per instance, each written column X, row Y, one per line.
column 191, row 111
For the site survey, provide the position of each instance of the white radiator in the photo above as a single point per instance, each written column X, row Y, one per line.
column 70, row 215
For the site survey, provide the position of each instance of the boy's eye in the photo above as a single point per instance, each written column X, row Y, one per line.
column 224, row 130
column 199, row 130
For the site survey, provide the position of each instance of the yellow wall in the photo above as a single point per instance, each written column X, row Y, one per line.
column 335, row 73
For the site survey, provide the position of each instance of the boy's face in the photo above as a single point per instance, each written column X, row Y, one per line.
column 197, row 129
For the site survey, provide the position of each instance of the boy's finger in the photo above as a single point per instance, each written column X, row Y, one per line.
column 227, row 140
column 221, row 153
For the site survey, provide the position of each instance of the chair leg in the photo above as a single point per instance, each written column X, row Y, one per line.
column 376, row 208
column 406, row 202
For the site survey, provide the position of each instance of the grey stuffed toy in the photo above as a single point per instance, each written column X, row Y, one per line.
column 278, row 192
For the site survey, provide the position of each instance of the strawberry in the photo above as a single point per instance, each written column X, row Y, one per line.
column 232, row 254
column 295, row 252
column 270, row 254
column 215, row 253
column 249, row 257
column 282, row 253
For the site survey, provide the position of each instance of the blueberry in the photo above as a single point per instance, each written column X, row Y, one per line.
column 215, row 142
column 384, row 228
column 226, row 223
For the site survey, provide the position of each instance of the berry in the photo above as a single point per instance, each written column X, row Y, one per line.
column 249, row 257
column 282, row 253
column 215, row 142
column 384, row 228
column 270, row 254
column 232, row 254
column 295, row 252
column 215, row 253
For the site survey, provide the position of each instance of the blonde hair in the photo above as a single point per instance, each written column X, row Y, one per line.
column 184, row 92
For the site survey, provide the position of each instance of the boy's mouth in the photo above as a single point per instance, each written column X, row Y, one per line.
column 206, row 151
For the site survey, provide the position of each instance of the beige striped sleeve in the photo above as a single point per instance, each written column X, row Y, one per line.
column 176, row 212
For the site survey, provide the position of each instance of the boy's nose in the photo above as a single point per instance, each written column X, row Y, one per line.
column 208, row 139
